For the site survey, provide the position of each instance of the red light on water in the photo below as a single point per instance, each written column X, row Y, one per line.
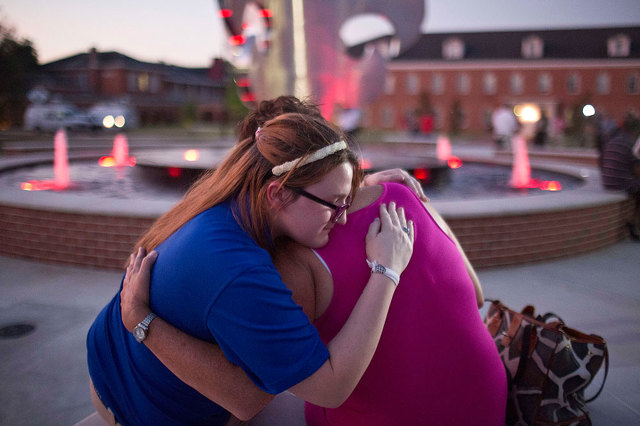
column 454, row 162
column 174, row 172
column 266, row 13
column 107, row 161
column 225, row 13
column 365, row 164
column 237, row 40
column 422, row 174
column 551, row 185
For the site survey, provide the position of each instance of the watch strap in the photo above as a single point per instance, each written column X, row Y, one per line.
column 377, row 268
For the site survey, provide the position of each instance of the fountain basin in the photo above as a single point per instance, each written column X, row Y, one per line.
column 83, row 229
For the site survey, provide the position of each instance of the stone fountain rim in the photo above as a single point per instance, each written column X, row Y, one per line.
column 590, row 194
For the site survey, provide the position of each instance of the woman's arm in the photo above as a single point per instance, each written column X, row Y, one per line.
column 350, row 351
column 200, row 364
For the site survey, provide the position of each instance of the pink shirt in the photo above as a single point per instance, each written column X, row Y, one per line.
column 436, row 362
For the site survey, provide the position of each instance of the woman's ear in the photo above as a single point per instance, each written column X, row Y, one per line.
column 276, row 195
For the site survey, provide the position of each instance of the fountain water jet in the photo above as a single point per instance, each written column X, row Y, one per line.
column 119, row 154
column 521, row 172
column 60, row 168
column 443, row 148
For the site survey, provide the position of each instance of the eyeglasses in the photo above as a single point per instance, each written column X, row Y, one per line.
column 338, row 211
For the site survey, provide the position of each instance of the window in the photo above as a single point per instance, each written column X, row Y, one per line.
column 632, row 84
column 131, row 82
column 544, row 82
column 490, row 84
column 143, row 82
column 603, row 83
column 463, row 84
column 387, row 117
column 516, row 83
column 390, row 84
column 437, row 84
column 618, row 46
column 453, row 48
column 573, row 84
column 532, row 47
column 413, row 84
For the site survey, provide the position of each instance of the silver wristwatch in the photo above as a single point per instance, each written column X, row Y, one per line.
column 141, row 330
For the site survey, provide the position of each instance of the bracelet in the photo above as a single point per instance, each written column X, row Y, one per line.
column 380, row 269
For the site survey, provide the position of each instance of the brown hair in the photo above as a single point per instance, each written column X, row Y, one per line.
column 245, row 174
column 270, row 109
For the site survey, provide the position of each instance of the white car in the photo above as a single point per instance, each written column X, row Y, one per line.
column 51, row 117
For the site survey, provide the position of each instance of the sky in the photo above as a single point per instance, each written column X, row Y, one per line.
column 188, row 33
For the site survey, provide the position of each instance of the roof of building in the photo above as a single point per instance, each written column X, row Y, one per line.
column 583, row 43
column 111, row 60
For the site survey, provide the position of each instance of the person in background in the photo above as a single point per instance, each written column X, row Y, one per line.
column 504, row 125
column 620, row 168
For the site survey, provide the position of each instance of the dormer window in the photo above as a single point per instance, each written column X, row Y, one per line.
column 618, row 46
column 453, row 48
column 532, row 47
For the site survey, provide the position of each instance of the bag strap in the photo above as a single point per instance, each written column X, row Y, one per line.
column 606, row 373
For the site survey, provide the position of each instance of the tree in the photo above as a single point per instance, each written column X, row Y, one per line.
column 18, row 65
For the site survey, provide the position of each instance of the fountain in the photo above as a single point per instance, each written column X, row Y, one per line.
column 443, row 148
column 60, row 168
column 521, row 172
column 119, row 154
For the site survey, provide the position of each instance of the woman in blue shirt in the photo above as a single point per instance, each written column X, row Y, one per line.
column 214, row 279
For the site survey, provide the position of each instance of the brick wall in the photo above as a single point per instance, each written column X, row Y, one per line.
column 516, row 239
column 106, row 241
column 78, row 239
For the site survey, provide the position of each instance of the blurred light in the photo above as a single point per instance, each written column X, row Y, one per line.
column 550, row 185
column 237, row 40
column 245, row 26
column 108, row 121
column 527, row 113
column 248, row 97
column 266, row 13
column 243, row 82
column 225, row 13
column 588, row 110
column 454, row 162
column 365, row 164
column 174, row 172
column 192, row 155
column 422, row 174
column 27, row 186
column 107, row 161
column 119, row 121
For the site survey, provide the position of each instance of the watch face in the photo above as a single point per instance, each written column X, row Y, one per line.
column 139, row 333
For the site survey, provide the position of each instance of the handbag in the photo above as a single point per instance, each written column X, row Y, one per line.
column 548, row 365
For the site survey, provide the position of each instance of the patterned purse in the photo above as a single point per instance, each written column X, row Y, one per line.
column 548, row 366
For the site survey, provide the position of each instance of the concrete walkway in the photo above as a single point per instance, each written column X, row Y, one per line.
column 44, row 378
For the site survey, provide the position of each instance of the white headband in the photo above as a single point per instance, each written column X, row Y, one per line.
column 301, row 161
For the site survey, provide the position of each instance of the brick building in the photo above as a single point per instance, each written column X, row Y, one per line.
column 462, row 77
column 158, row 92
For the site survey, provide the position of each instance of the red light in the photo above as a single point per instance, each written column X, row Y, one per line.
column 422, row 174
column 248, row 97
column 108, row 161
column 237, row 40
column 225, row 13
column 243, row 82
column 174, row 172
column 266, row 13
column 365, row 164
column 454, row 162
column 550, row 185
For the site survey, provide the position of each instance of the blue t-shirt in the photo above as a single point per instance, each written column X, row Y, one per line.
column 212, row 281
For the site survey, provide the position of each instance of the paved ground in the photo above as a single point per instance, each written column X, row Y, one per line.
column 44, row 374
